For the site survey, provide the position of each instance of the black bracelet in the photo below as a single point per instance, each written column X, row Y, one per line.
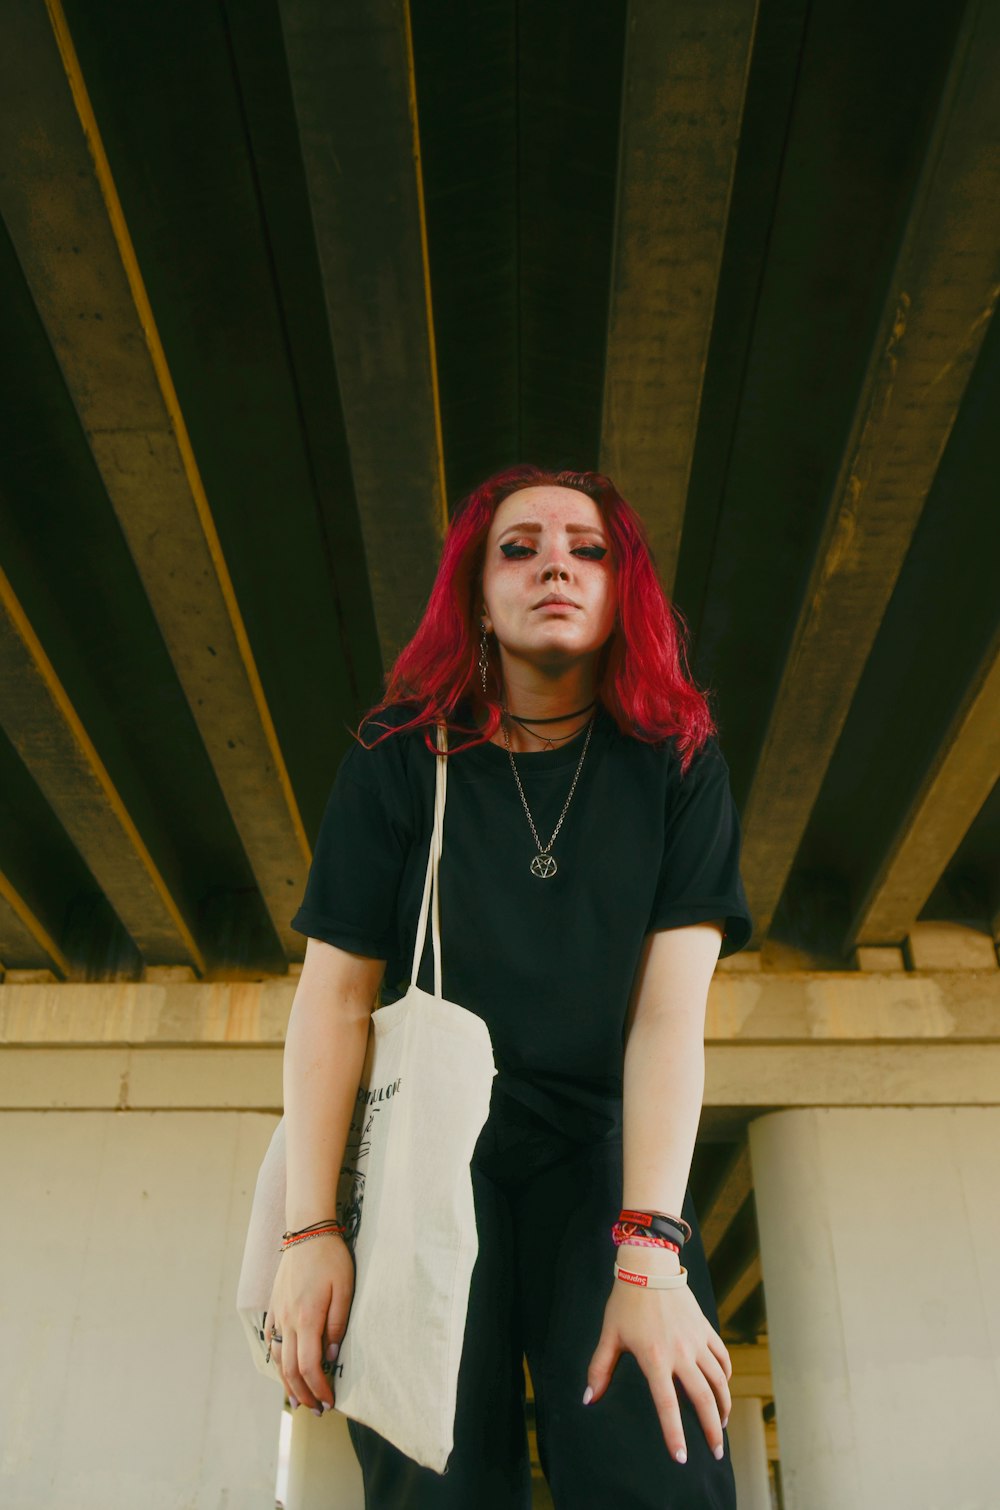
column 655, row 1224
column 330, row 1221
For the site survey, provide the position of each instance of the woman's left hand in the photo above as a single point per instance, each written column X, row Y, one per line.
column 669, row 1334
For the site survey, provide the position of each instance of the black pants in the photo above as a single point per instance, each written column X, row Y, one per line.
column 545, row 1204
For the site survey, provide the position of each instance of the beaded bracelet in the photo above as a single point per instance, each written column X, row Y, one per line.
column 628, row 1232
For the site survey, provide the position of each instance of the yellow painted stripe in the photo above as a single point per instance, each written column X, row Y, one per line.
column 426, row 264
column 130, row 263
column 38, row 932
column 47, row 672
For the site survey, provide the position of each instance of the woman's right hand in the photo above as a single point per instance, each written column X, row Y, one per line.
column 310, row 1303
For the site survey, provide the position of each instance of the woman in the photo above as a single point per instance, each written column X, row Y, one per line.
column 589, row 881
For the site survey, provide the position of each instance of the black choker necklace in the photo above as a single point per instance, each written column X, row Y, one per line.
column 549, row 740
column 560, row 718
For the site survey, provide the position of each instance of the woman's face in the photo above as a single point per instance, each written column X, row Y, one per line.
column 543, row 542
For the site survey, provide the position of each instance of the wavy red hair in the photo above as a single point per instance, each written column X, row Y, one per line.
column 642, row 677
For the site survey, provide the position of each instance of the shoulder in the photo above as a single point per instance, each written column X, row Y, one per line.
column 704, row 760
column 388, row 721
column 670, row 755
column 703, row 780
column 382, row 750
column 687, row 786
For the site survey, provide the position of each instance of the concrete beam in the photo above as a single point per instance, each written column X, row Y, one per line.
column 751, row 1370
column 715, row 1219
column 59, row 203
column 686, row 68
column 747, row 1077
column 950, row 946
column 844, row 1039
column 739, row 1289
column 797, row 1008
column 24, row 935
column 146, row 1078
column 354, row 90
column 175, row 1014
column 941, row 298
column 964, row 773
column 48, row 734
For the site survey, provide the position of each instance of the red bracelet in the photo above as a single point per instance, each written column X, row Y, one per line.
column 328, row 1221
column 321, row 1229
column 658, row 1223
column 631, row 1232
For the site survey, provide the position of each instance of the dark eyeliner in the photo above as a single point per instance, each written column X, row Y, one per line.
column 591, row 552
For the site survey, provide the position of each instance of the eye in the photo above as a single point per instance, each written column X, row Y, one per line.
column 514, row 552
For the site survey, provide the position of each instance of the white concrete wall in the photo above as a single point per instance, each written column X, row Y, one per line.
column 125, row 1379
column 880, row 1247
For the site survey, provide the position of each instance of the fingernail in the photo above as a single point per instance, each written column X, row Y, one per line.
column 725, row 1422
column 588, row 1395
column 317, row 1410
column 718, row 1451
column 293, row 1402
column 332, row 1351
column 682, row 1456
column 326, row 1405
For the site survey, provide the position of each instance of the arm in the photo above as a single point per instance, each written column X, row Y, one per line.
column 666, row 1330
column 325, row 1045
column 664, row 1078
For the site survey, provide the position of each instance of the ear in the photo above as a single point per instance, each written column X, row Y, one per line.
column 486, row 621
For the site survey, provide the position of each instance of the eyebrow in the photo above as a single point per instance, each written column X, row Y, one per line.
column 571, row 529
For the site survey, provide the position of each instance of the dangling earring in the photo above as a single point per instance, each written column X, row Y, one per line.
column 483, row 656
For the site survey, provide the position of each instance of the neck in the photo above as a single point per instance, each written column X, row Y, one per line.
column 533, row 692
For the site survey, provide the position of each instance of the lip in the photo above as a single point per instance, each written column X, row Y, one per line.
column 557, row 598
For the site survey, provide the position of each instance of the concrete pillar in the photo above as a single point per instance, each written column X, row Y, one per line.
column 879, row 1234
column 749, row 1450
column 125, row 1377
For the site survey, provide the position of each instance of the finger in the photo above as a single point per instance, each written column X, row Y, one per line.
column 721, row 1352
column 270, row 1331
column 336, row 1326
column 602, row 1366
column 310, row 1344
column 713, row 1372
column 702, row 1397
column 291, row 1372
column 661, row 1387
column 276, row 1360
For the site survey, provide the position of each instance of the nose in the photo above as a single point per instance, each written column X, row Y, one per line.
column 554, row 569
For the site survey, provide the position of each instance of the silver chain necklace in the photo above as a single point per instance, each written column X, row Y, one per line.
column 544, row 864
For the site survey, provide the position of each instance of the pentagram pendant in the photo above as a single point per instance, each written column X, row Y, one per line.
column 544, row 866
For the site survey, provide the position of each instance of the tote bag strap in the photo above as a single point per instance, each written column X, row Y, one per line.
column 431, row 901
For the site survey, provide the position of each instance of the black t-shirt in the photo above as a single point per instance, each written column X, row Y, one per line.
column 547, row 962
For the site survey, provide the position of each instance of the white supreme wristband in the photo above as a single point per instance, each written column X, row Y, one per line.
column 652, row 1281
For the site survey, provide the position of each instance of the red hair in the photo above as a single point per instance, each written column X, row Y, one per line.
column 642, row 679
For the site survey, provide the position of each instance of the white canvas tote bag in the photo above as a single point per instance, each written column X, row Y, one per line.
column 405, row 1196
